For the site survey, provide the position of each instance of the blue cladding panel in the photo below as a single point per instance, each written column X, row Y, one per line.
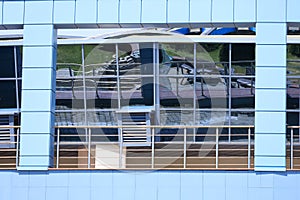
column 146, row 183
column 160, row 7
column 260, row 185
column 42, row 78
column 266, row 180
column 41, row 162
column 270, row 144
column 37, row 193
column 286, row 181
column 13, row 12
column 200, row 11
column 86, row 12
column 130, row 11
column 234, row 193
column 264, row 99
column 20, row 180
column 108, row 11
column 1, row 6
column 191, row 185
column 39, row 57
column 5, row 192
column 30, row 119
column 168, row 185
column 41, row 142
column 269, row 11
column 222, row 11
column 237, row 180
column 263, row 122
column 57, row 193
column 79, row 193
column 38, row 179
column 293, row 13
column 267, row 77
column 103, row 179
column 103, row 192
column 20, row 193
column 6, row 179
column 38, row 12
column 53, row 177
column 39, row 35
column 178, row 11
column 123, row 185
column 260, row 193
column 213, row 180
column 244, row 11
column 79, row 179
column 271, row 33
column 31, row 100
column 64, row 12
column 267, row 163
column 270, row 56
column 214, row 194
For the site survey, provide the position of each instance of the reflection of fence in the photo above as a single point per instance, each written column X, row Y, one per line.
column 9, row 149
column 293, row 147
column 180, row 147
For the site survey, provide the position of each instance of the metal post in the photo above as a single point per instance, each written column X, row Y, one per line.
column 217, row 148
column 121, row 147
column 89, row 149
column 152, row 147
column 249, row 147
column 184, row 148
column 17, row 147
column 57, row 148
column 292, row 148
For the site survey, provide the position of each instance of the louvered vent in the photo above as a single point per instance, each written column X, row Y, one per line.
column 134, row 132
column 6, row 134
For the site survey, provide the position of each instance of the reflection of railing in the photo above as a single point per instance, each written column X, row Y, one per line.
column 9, row 150
column 293, row 147
column 180, row 147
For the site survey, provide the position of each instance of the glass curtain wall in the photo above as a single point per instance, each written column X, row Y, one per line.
column 188, row 83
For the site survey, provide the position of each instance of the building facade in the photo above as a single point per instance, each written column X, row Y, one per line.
column 150, row 114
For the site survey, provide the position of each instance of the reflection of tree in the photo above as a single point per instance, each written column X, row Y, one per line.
column 239, row 52
column 294, row 50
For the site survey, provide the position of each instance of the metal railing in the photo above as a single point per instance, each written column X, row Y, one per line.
column 169, row 147
column 9, row 147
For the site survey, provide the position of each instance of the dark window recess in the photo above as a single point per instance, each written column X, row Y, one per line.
column 8, row 94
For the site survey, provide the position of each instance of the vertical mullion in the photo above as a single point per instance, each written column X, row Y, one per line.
column 118, row 76
column 194, row 90
column 229, row 92
column 16, row 78
column 156, row 77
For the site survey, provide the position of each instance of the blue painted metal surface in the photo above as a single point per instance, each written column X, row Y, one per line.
column 151, row 185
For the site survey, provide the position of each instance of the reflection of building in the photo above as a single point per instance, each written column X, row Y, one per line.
column 149, row 99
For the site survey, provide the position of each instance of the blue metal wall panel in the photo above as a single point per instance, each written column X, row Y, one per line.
column 38, row 12
column 188, row 184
